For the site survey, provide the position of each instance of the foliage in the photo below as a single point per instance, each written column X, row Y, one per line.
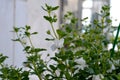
column 80, row 53
column 10, row 72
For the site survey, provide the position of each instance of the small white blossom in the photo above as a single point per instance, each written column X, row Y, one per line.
column 57, row 72
column 81, row 63
column 57, row 44
column 97, row 77
column 33, row 77
column 110, row 46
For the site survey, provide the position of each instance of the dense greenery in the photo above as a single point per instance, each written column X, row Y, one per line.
column 81, row 52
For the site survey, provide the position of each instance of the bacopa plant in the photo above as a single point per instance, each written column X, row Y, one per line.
column 81, row 52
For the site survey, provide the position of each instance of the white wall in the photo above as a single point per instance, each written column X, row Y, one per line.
column 6, row 24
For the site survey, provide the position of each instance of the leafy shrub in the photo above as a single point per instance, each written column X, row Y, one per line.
column 81, row 53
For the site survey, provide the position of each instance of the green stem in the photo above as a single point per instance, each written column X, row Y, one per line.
column 102, row 21
column 115, row 41
column 31, row 42
column 36, row 71
column 34, row 65
column 19, row 78
column 53, row 30
column 51, row 23
column 20, row 40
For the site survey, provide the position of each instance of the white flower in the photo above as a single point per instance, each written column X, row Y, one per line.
column 57, row 44
column 33, row 77
column 81, row 63
column 57, row 72
column 110, row 46
column 97, row 77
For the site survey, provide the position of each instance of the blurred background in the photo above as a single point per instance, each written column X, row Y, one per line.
column 29, row 12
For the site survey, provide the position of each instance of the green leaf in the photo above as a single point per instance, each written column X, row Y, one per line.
column 48, row 32
column 84, row 19
column 49, row 8
column 74, row 20
column 38, row 49
column 109, row 20
column 49, row 76
column 53, row 67
column 35, row 33
column 55, row 8
column 61, row 33
column 2, row 58
column 118, row 76
column 25, row 75
column 96, row 22
column 69, row 13
column 48, row 39
column 68, row 29
column 15, row 39
column 28, row 27
column 27, row 34
column 16, row 29
column 48, row 18
column 55, row 59
column 27, row 48
column 107, row 14
column 105, row 8
column 61, row 67
column 68, row 76
column 54, row 20
column 44, row 8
